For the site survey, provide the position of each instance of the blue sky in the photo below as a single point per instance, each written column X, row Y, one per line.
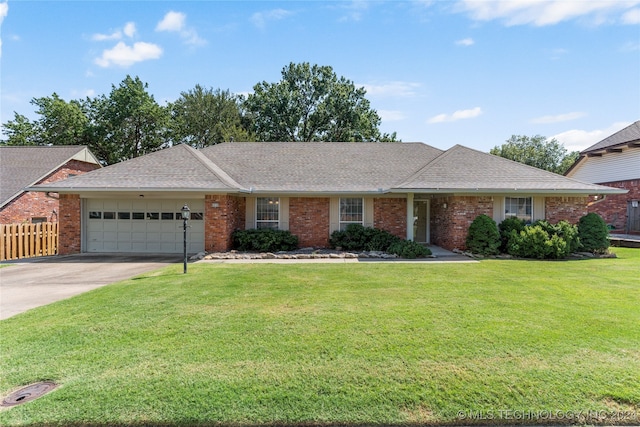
column 441, row 72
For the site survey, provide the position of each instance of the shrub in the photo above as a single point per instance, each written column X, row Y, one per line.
column 593, row 233
column 569, row 233
column 409, row 249
column 483, row 236
column 541, row 240
column 359, row 238
column 264, row 240
column 505, row 227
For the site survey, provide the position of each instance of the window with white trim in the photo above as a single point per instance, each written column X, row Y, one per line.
column 519, row 207
column 268, row 212
column 351, row 211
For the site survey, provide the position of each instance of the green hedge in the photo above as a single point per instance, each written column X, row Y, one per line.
column 359, row 238
column 264, row 240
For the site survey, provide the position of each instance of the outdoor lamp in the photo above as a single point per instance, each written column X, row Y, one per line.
column 186, row 213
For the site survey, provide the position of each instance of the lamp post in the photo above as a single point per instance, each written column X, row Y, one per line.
column 186, row 213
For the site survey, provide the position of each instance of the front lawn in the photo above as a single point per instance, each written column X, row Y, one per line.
column 372, row 343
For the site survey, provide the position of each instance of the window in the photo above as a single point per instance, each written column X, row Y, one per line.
column 519, row 207
column 138, row 215
column 268, row 212
column 351, row 212
column 124, row 215
column 95, row 215
column 167, row 215
column 109, row 215
column 38, row 219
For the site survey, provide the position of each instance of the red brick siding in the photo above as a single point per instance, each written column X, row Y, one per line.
column 309, row 220
column 221, row 221
column 70, row 225
column 390, row 214
column 613, row 209
column 565, row 208
column 450, row 224
column 36, row 204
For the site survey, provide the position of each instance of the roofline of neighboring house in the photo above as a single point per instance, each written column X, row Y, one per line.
column 613, row 148
column 29, row 188
column 489, row 191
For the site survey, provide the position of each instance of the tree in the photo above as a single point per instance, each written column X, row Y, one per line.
column 311, row 103
column 59, row 123
column 19, row 131
column 203, row 117
column 128, row 123
column 537, row 151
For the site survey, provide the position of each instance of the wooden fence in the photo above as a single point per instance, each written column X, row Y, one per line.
column 28, row 240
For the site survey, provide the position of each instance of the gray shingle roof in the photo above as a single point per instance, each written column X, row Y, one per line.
column 320, row 166
column 629, row 134
column 462, row 168
column 22, row 166
column 177, row 168
column 323, row 167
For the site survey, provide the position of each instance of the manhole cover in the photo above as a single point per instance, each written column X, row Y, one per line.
column 28, row 393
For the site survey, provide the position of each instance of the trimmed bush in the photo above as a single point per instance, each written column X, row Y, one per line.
column 409, row 249
column 264, row 240
column 505, row 227
column 541, row 240
column 593, row 233
column 359, row 238
column 483, row 236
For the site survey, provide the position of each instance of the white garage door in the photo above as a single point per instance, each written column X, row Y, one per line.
column 142, row 226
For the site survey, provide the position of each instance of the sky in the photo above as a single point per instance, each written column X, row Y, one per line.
column 469, row 72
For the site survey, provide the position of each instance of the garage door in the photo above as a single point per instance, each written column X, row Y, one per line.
column 142, row 226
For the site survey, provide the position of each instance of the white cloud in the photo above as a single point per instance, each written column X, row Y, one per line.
column 465, row 42
column 355, row 10
column 4, row 11
column 578, row 139
column 172, row 21
column 558, row 118
column 129, row 31
column 544, row 12
column 176, row 22
column 396, row 88
column 457, row 115
column 260, row 19
column 631, row 17
column 124, row 56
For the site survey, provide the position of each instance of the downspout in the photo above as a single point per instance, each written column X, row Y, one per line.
column 595, row 202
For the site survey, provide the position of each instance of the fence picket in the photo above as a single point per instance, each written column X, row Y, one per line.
column 28, row 240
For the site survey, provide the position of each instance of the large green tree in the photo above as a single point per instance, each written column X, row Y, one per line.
column 311, row 103
column 128, row 123
column 537, row 151
column 203, row 117
column 59, row 123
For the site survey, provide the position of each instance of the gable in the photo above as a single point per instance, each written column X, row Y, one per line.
column 23, row 166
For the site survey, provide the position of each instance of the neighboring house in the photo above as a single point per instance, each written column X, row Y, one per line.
column 614, row 162
column 25, row 166
column 412, row 190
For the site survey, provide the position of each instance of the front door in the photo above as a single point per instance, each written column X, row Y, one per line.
column 421, row 221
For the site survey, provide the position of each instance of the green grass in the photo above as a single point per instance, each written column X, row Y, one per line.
column 385, row 343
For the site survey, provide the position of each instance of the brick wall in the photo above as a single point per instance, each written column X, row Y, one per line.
column 390, row 214
column 70, row 225
column 613, row 209
column 309, row 220
column 565, row 208
column 221, row 221
column 450, row 224
column 36, row 204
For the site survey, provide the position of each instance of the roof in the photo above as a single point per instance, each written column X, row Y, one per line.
column 24, row 166
column 630, row 134
column 321, row 168
column 462, row 168
column 180, row 167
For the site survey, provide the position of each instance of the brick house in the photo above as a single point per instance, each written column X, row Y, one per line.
column 614, row 162
column 412, row 190
column 25, row 166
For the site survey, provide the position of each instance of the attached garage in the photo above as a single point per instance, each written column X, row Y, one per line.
column 141, row 226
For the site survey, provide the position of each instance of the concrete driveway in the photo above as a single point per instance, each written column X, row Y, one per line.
column 34, row 282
